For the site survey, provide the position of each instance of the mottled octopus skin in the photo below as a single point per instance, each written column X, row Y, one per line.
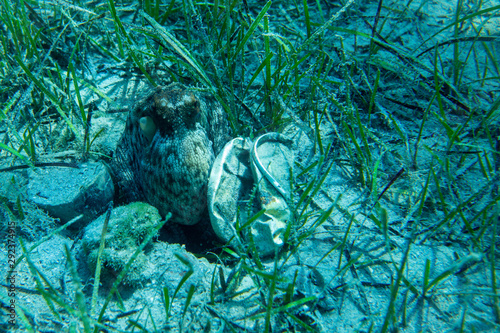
column 171, row 169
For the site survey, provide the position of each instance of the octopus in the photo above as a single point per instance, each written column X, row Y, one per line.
column 167, row 149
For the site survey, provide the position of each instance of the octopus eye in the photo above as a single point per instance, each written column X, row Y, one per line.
column 148, row 127
column 191, row 109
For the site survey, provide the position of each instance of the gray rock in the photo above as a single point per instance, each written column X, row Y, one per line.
column 68, row 192
column 128, row 226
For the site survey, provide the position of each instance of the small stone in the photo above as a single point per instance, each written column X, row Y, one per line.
column 66, row 192
column 128, row 226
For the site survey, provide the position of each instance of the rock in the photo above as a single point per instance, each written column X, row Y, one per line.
column 68, row 192
column 128, row 226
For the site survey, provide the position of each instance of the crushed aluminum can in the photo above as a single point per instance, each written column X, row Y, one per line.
column 242, row 167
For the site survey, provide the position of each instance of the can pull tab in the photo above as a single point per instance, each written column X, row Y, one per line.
column 255, row 157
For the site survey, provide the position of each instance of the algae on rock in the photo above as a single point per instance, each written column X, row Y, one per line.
column 128, row 226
